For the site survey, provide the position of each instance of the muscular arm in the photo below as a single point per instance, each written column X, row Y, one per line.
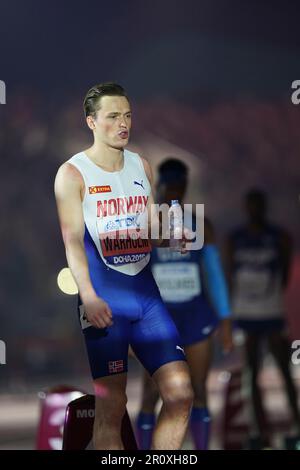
column 68, row 188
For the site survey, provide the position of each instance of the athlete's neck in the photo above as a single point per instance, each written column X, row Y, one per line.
column 108, row 158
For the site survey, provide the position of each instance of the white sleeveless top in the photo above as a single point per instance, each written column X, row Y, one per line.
column 115, row 213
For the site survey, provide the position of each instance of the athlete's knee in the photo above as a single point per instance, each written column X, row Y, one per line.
column 178, row 392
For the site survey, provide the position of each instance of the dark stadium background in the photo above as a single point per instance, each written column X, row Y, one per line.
column 209, row 81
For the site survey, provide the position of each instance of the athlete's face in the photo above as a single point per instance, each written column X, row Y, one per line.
column 113, row 121
column 256, row 209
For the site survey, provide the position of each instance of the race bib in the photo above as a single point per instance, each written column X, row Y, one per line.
column 177, row 282
column 252, row 283
column 123, row 240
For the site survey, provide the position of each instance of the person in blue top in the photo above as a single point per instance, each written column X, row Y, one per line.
column 194, row 290
column 259, row 257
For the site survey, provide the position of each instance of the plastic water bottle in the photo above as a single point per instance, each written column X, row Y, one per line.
column 176, row 225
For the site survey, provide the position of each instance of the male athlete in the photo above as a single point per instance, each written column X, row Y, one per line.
column 194, row 290
column 103, row 195
column 259, row 258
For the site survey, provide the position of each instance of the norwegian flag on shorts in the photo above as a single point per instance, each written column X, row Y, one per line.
column 116, row 366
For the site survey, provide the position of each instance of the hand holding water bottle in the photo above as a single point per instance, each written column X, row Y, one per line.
column 178, row 233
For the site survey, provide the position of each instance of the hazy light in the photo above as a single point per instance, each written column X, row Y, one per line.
column 66, row 283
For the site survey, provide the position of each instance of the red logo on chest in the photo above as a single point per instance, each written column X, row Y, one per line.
column 99, row 189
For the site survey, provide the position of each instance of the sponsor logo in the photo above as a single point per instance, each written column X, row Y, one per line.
column 207, row 329
column 130, row 221
column 180, row 349
column 146, row 427
column 116, row 366
column 139, row 184
column 99, row 189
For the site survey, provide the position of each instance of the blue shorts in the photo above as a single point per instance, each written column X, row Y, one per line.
column 261, row 327
column 140, row 319
column 195, row 320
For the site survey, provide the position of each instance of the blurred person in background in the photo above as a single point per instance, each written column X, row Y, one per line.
column 104, row 194
column 194, row 290
column 259, row 256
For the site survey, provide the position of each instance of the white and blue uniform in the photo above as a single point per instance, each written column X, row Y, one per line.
column 257, row 294
column 118, row 254
column 180, row 279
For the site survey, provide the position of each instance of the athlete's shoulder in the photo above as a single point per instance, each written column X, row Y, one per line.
column 147, row 168
column 139, row 158
column 68, row 173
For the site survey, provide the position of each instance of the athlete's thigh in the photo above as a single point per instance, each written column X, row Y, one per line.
column 107, row 348
column 155, row 339
column 194, row 321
